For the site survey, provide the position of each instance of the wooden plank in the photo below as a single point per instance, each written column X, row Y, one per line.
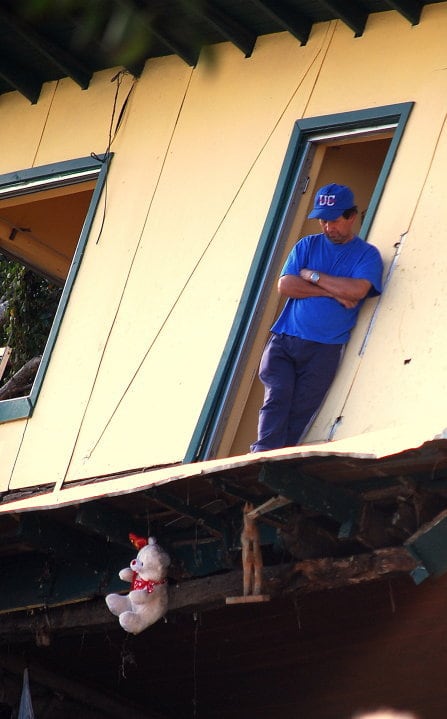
column 39, row 582
column 208, row 593
column 303, row 577
column 269, row 506
column 249, row 599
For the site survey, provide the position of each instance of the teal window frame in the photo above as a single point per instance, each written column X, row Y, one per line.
column 217, row 405
column 36, row 179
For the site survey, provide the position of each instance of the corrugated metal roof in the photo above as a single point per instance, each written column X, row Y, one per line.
column 49, row 40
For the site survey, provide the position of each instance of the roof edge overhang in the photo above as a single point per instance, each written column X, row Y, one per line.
column 401, row 442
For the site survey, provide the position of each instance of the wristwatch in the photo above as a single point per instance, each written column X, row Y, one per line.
column 314, row 277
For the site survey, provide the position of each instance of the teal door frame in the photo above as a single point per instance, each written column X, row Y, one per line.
column 217, row 406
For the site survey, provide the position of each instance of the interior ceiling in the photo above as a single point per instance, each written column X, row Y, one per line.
column 46, row 40
column 41, row 230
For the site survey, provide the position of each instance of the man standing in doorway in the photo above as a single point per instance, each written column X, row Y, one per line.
column 326, row 279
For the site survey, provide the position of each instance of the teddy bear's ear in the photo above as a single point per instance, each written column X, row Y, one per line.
column 138, row 542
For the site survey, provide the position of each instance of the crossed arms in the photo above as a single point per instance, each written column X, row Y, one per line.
column 346, row 290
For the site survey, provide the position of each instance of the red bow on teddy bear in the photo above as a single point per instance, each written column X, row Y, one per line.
column 137, row 581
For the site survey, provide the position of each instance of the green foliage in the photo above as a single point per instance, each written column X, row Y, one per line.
column 124, row 28
column 31, row 305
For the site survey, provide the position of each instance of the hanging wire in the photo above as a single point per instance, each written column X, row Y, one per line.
column 391, row 595
column 297, row 612
column 205, row 249
column 118, row 78
column 82, row 643
column 127, row 659
column 44, row 126
column 194, row 665
column 148, row 523
column 125, row 286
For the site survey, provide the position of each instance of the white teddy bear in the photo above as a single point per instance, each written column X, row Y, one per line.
column 147, row 600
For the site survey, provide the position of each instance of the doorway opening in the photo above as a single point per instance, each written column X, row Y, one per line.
column 355, row 149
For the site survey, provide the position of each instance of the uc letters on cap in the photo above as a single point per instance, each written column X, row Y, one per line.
column 331, row 201
column 328, row 200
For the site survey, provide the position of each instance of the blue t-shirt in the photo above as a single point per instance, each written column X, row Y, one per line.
column 324, row 319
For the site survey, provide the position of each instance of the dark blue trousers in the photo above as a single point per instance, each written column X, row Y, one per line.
column 296, row 375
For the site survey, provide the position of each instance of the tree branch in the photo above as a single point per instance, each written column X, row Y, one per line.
column 19, row 385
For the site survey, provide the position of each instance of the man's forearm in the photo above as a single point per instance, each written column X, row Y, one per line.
column 347, row 289
column 298, row 288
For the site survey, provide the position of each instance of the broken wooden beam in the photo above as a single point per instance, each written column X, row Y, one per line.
column 206, row 593
column 318, row 574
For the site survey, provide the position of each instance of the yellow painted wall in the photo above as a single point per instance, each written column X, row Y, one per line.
column 196, row 162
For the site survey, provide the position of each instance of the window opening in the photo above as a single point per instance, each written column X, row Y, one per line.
column 45, row 217
column 318, row 146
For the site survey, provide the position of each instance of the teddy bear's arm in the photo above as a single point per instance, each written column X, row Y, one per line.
column 126, row 574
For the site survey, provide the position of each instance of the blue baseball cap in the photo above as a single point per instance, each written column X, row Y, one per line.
column 331, row 201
